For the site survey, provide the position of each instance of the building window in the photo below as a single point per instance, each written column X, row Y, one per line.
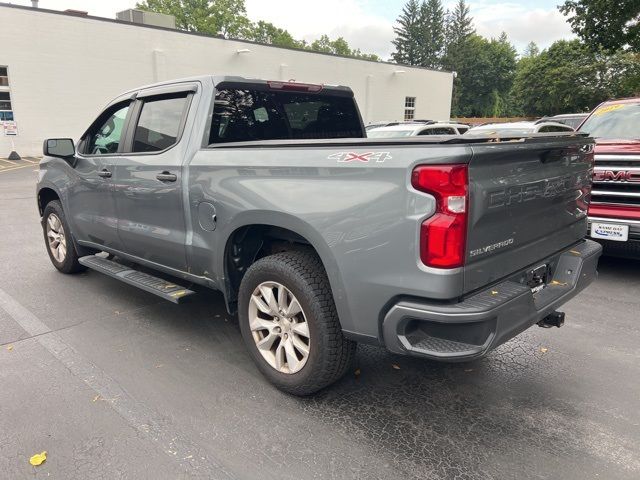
column 5, row 101
column 4, row 77
column 409, row 108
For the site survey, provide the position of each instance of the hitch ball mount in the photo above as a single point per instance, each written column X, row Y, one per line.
column 555, row 319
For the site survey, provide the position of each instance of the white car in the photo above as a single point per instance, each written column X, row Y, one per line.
column 416, row 129
column 519, row 128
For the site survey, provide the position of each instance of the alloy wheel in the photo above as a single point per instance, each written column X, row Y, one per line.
column 56, row 238
column 279, row 327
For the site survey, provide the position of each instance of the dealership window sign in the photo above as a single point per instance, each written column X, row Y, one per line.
column 10, row 129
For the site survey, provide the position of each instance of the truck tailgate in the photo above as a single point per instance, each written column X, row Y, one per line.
column 528, row 200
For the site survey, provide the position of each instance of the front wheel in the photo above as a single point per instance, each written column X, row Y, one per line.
column 290, row 325
column 57, row 237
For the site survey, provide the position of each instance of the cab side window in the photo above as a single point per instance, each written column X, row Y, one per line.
column 159, row 123
column 106, row 133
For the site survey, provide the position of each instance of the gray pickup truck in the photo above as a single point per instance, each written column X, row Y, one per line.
column 319, row 238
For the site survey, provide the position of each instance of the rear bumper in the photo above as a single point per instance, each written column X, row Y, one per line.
column 469, row 329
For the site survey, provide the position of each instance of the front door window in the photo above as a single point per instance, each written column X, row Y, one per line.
column 105, row 138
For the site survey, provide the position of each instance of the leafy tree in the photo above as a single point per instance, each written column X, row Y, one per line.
column 459, row 25
column 503, row 59
column 339, row 46
column 459, row 28
column 532, row 50
column 605, row 24
column 431, row 34
column 228, row 17
column 407, row 43
column 265, row 32
column 484, row 77
column 357, row 53
column 569, row 77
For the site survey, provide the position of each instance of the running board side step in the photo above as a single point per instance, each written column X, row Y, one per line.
column 162, row 288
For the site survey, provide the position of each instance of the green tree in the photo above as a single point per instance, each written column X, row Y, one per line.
column 431, row 34
column 339, row 46
column 265, row 32
column 459, row 28
column 226, row 17
column 605, row 24
column 407, row 43
column 570, row 77
column 229, row 18
column 532, row 50
column 485, row 76
column 459, row 25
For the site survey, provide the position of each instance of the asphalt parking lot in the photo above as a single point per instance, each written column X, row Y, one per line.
column 115, row 383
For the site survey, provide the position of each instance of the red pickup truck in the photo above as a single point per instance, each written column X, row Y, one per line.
column 614, row 213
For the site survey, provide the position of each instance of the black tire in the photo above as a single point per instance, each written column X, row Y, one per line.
column 330, row 353
column 70, row 262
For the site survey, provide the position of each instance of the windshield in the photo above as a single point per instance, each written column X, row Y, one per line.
column 388, row 133
column 618, row 120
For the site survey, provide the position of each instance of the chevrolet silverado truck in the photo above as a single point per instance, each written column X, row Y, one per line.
column 614, row 212
column 439, row 247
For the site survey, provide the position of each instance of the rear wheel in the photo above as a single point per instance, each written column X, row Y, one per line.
column 57, row 236
column 290, row 325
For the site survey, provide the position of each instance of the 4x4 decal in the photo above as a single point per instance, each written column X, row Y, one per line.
column 366, row 157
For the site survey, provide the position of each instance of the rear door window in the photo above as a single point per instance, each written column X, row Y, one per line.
column 159, row 122
column 250, row 115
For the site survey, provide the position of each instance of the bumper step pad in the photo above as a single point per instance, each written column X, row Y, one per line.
column 158, row 286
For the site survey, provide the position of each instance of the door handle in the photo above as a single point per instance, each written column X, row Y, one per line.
column 104, row 173
column 166, row 177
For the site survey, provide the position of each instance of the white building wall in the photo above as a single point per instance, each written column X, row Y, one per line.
column 63, row 69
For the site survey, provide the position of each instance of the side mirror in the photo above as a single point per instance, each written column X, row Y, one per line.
column 59, row 147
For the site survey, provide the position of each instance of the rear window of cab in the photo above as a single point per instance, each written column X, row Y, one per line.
column 242, row 115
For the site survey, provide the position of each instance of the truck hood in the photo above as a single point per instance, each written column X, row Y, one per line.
column 612, row 145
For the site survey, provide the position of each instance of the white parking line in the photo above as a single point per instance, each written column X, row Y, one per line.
column 4, row 168
column 150, row 424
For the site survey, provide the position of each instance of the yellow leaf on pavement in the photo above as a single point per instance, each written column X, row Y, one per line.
column 10, row 347
column 544, row 349
column 38, row 458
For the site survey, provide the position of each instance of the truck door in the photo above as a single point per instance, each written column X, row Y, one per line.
column 148, row 180
column 92, row 207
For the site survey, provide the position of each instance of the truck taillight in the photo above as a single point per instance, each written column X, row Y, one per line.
column 443, row 236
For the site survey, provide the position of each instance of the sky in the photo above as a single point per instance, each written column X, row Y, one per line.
column 368, row 24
